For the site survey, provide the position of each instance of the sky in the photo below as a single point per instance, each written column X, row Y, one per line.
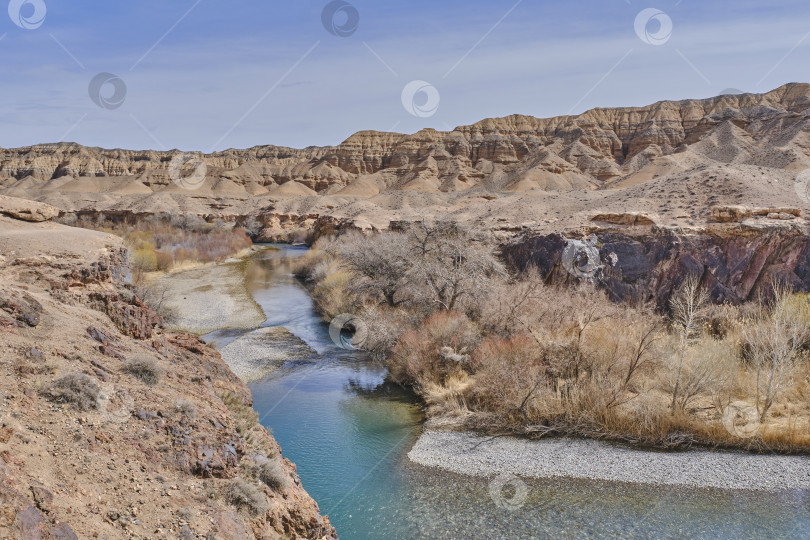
column 205, row 75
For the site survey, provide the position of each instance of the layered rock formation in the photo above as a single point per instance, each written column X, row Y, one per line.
column 515, row 153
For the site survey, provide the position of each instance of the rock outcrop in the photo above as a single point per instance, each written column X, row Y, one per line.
column 27, row 210
column 92, row 447
column 735, row 266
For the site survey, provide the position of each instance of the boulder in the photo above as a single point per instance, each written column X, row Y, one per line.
column 27, row 210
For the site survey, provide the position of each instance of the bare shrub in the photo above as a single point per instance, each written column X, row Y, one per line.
column 420, row 356
column 775, row 341
column 687, row 305
column 243, row 494
column 330, row 294
column 384, row 327
column 511, row 378
column 143, row 368
column 144, row 260
column 76, row 389
column 186, row 407
column 707, row 369
column 271, row 472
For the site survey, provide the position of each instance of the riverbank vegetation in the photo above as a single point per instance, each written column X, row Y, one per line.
column 160, row 242
column 500, row 352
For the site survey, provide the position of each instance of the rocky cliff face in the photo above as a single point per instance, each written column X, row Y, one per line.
column 111, row 427
column 513, row 153
column 734, row 265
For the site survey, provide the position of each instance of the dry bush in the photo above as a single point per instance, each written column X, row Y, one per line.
column 707, row 370
column 512, row 380
column 510, row 303
column 76, row 389
column 186, row 408
column 448, row 399
column 163, row 261
column 688, row 310
column 144, row 260
column 143, row 368
column 271, row 472
column 330, row 294
column 775, row 342
column 243, row 494
column 441, row 346
column 385, row 326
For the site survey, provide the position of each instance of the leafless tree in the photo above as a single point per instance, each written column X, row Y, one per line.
column 775, row 341
column 687, row 306
column 380, row 262
column 450, row 266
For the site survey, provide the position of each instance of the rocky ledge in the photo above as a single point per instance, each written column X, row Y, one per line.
column 110, row 427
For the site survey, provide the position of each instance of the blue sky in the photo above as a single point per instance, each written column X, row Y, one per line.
column 208, row 74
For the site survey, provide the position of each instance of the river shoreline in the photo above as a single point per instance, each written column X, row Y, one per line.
column 473, row 455
column 221, row 300
column 210, row 297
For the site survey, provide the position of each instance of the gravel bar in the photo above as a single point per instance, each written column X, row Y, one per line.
column 473, row 455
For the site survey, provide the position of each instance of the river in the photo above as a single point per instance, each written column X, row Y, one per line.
column 348, row 430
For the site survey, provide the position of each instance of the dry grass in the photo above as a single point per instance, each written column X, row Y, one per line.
column 528, row 358
column 76, row 389
column 271, row 472
column 244, row 494
column 144, row 368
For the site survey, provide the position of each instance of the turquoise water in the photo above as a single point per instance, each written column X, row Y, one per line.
column 348, row 431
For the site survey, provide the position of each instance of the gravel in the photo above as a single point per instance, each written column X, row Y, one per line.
column 473, row 455
column 258, row 353
column 209, row 298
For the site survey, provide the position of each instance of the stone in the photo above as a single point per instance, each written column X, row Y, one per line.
column 27, row 210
